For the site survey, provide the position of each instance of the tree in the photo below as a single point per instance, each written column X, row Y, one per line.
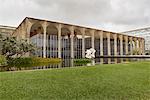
column 13, row 47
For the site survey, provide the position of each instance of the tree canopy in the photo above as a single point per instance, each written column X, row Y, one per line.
column 11, row 46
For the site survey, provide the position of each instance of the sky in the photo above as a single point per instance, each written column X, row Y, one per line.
column 110, row 15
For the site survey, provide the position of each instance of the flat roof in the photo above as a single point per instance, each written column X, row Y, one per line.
column 139, row 29
column 7, row 27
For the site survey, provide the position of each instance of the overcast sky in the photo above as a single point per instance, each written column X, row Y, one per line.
column 113, row 15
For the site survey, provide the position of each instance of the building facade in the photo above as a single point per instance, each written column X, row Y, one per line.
column 7, row 30
column 61, row 40
column 144, row 33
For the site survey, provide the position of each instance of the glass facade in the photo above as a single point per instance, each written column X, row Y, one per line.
column 97, row 47
column 124, row 48
column 52, row 46
column 77, row 47
column 112, row 46
column 38, row 41
column 37, row 37
column 65, row 47
column 118, row 47
column 88, row 44
column 105, row 50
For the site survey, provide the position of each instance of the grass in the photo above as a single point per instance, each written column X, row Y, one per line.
column 130, row 81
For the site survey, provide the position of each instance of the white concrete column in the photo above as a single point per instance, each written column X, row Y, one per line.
column 108, row 44
column 135, row 44
column 101, row 46
column 115, row 44
column 131, row 46
column 92, row 36
column 121, row 44
column 139, row 40
column 72, row 41
column 101, row 43
column 83, row 42
column 44, row 39
column 115, row 47
column 143, row 47
column 109, row 47
column 126, row 45
column 140, row 48
column 59, row 40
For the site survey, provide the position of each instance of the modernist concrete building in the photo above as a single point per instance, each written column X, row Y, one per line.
column 7, row 30
column 144, row 33
column 71, row 41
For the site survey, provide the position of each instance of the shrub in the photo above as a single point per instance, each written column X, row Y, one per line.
column 11, row 46
column 3, row 60
column 19, row 62
column 46, row 60
column 31, row 61
column 82, row 61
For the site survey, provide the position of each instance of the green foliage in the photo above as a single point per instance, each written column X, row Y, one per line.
column 128, row 81
column 82, row 61
column 31, row 61
column 46, row 60
column 20, row 62
column 3, row 60
column 11, row 46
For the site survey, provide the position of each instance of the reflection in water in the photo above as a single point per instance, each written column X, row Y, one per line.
column 70, row 63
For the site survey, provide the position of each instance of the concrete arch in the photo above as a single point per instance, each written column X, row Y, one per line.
column 36, row 28
column 65, row 31
column 51, row 29
column 77, row 33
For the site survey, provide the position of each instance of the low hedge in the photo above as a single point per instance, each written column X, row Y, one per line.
column 82, row 61
column 46, row 60
column 32, row 61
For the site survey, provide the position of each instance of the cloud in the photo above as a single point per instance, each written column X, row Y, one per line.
column 113, row 15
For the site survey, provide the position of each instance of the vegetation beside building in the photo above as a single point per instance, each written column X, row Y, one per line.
column 82, row 61
column 32, row 61
column 14, row 53
column 3, row 60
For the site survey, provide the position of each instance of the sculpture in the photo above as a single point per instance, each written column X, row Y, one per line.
column 90, row 53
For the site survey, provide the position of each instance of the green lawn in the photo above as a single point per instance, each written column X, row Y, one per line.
column 130, row 81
